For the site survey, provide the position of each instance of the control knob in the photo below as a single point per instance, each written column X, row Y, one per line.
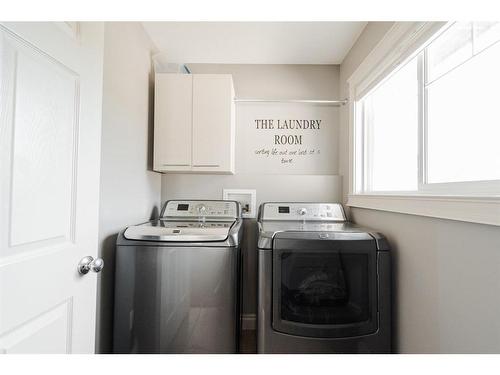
column 302, row 211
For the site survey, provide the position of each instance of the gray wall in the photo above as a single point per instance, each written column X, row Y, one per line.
column 129, row 191
column 446, row 273
column 264, row 81
column 447, row 282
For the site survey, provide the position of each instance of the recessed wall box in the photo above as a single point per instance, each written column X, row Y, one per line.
column 247, row 198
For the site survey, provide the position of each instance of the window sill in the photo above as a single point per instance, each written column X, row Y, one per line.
column 482, row 210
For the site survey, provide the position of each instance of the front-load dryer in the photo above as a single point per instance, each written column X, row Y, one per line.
column 323, row 283
column 177, row 281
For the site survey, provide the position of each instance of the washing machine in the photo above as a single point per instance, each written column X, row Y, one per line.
column 177, row 280
column 323, row 283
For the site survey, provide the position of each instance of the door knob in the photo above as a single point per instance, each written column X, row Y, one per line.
column 88, row 263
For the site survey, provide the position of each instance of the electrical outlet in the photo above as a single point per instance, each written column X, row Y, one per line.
column 247, row 198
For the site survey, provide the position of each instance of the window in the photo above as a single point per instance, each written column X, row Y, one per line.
column 391, row 130
column 432, row 125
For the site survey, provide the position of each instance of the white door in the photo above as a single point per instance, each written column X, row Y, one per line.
column 50, row 125
column 213, row 123
column 173, row 122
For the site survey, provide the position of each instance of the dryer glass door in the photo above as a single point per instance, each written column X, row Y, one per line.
column 324, row 288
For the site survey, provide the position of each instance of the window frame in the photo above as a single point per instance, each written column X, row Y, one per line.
column 474, row 201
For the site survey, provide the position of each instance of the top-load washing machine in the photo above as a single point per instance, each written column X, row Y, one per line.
column 323, row 283
column 177, row 280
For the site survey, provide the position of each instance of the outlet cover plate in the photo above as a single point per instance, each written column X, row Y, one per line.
column 247, row 198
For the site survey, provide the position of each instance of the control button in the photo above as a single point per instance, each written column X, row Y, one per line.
column 302, row 211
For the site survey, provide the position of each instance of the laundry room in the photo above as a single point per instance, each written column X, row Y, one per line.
column 207, row 185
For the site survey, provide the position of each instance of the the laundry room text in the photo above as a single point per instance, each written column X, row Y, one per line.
column 287, row 139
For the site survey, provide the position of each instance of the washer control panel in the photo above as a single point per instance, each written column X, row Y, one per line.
column 195, row 209
column 302, row 211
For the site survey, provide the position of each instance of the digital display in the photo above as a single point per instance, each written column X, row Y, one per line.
column 284, row 209
column 182, row 207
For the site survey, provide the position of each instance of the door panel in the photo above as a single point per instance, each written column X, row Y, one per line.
column 45, row 120
column 173, row 122
column 50, row 121
column 213, row 122
column 31, row 337
column 325, row 288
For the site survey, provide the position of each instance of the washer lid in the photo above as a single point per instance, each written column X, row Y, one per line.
column 171, row 231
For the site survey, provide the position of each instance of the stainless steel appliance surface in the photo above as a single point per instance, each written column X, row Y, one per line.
column 323, row 283
column 177, row 280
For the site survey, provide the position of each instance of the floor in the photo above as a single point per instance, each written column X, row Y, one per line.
column 248, row 343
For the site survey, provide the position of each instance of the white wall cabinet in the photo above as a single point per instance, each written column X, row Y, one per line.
column 173, row 122
column 194, row 123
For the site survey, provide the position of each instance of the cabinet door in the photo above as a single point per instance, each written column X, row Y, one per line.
column 173, row 122
column 213, row 123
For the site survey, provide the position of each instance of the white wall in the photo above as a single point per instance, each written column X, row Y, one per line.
column 129, row 192
column 446, row 273
column 271, row 82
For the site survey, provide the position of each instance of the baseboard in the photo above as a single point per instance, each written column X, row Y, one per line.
column 248, row 322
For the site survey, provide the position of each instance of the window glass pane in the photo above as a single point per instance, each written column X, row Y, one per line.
column 464, row 121
column 449, row 50
column 485, row 34
column 391, row 132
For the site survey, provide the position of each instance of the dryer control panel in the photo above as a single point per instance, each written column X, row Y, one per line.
column 302, row 211
column 215, row 210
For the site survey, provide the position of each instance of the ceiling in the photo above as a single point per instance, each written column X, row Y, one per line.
column 254, row 42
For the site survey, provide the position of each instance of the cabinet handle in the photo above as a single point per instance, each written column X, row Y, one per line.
column 175, row 165
column 206, row 165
